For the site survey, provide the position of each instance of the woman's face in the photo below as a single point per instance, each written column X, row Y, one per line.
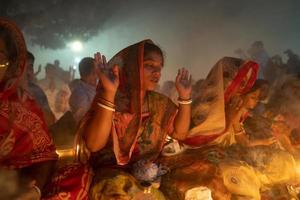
column 3, row 59
column 153, row 63
column 250, row 100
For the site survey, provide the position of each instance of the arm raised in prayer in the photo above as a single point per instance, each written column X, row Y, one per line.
column 98, row 127
column 182, row 120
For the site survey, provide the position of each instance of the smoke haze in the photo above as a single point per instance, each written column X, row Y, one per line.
column 193, row 34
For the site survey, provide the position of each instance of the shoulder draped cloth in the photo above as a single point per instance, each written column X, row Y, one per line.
column 130, row 133
column 228, row 77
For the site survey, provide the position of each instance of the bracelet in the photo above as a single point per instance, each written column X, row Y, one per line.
column 106, row 107
column 185, row 102
column 106, row 102
column 37, row 189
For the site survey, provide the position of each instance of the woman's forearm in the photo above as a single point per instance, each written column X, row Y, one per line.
column 182, row 122
column 98, row 127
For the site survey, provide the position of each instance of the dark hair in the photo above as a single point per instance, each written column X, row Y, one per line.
column 9, row 43
column 150, row 47
column 12, row 53
column 86, row 66
column 30, row 56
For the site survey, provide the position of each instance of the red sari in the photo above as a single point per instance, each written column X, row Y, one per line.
column 133, row 136
column 24, row 137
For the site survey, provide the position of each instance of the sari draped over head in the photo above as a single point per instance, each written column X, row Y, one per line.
column 228, row 77
column 132, row 135
column 24, row 137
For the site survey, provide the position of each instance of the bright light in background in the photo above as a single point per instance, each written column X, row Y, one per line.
column 77, row 60
column 76, row 46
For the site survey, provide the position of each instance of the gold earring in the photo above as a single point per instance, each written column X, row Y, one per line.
column 4, row 65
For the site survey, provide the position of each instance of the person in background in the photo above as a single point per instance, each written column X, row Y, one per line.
column 56, row 90
column 37, row 92
column 275, row 70
column 258, row 53
column 84, row 90
column 293, row 62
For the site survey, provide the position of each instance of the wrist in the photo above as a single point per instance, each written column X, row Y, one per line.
column 182, row 101
column 109, row 96
column 106, row 101
column 184, row 97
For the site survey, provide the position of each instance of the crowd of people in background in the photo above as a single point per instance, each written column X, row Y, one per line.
column 234, row 134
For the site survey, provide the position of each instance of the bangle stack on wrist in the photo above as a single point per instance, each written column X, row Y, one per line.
column 184, row 101
column 103, row 103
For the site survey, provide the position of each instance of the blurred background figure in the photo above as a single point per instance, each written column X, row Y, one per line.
column 36, row 91
column 56, row 90
column 293, row 62
column 258, row 54
column 84, row 89
column 83, row 93
column 274, row 69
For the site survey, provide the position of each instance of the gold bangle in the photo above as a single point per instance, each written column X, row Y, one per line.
column 185, row 102
column 106, row 107
column 106, row 102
